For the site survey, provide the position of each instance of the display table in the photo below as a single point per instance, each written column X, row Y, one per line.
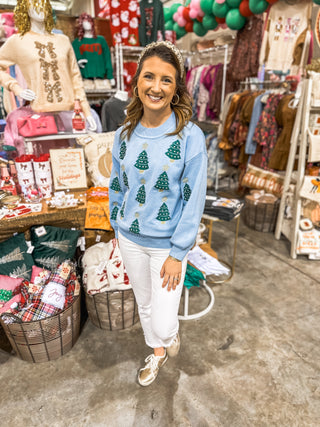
column 66, row 218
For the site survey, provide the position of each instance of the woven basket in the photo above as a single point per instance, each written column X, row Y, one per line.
column 260, row 216
column 112, row 310
column 47, row 339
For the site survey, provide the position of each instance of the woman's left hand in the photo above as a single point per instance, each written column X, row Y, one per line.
column 171, row 273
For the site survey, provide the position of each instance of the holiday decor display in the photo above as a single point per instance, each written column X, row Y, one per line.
column 142, row 161
column 162, row 182
column 174, row 151
column 200, row 16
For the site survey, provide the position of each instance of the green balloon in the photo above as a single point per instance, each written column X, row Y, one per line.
column 316, row 1
column 258, row 6
column 198, row 29
column 168, row 25
column 220, row 10
column 234, row 4
column 167, row 14
column 180, row 31
column 235, row 20
column 174, row 7
column 209, row 22
column 206, row 6
column 188, row 2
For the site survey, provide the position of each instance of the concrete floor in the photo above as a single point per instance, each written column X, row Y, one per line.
column 252, row 361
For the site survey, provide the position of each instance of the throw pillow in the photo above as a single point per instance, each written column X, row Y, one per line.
column 52, row 245
column 14, row 258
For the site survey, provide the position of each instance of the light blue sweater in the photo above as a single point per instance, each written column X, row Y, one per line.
column 158, row 186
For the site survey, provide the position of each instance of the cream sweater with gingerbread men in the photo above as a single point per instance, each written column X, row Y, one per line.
column 49, row 66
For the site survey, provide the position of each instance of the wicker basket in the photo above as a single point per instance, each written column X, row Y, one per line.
column 260, row 216
column 47, row 339
column 112, row 310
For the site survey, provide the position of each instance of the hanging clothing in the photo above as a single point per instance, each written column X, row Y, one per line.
column 285, row 117
column 113, row 114
column 151, row 27
column 258, row 106
column 97, row 52
column 267, row 130
column 285, row 32
column 124, row 22
column 244, row 60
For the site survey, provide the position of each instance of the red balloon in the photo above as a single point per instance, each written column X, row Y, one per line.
column 199, row 18
column 220, row 20
column 185, row 14
column 244, row 8
column 189, row 27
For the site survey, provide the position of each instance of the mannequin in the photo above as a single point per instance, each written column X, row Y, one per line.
column 46, row 60
column 92, row 51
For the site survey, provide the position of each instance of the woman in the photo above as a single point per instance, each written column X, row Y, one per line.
column 157, row 195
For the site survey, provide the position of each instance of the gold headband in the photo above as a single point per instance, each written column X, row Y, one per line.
column 170, row 46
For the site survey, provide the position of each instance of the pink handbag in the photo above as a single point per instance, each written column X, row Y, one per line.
column 37, row 125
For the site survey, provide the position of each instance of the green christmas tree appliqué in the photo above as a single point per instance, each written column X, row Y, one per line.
column 123, row 150
column 142, row 161
column 163, row 214
column 135, row 227
column 162, row 182
column 141, row 195
column 125, row 179
column 186, row 192
column 122, row 209
column 115, row 185
column 114, row 213
column 174, row 151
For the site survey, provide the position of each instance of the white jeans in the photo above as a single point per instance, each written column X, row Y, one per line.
column 158, row 308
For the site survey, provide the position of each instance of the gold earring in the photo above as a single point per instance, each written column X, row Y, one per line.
column 136, row 92
column 177, row 102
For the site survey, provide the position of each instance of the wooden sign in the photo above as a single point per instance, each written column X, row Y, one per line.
column 68, row 168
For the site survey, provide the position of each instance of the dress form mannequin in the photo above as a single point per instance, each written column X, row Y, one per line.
column 92, row 51
column 50, row 61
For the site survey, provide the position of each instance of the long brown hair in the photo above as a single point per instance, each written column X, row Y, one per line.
column 182, row 110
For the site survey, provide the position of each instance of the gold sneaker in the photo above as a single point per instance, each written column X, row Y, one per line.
column 174, row 348
column 149, row 373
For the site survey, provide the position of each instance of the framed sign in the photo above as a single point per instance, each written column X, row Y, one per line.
column 68, row 168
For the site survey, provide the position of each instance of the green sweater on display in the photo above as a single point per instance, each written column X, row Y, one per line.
column 151, row 21
column 97, row 52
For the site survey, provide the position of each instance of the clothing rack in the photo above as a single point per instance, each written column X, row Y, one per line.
column 248, row 83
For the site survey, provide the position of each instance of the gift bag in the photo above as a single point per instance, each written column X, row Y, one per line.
column 311, row 188
column 43, row 176
column 97, row 213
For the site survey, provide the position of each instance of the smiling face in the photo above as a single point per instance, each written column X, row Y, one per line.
column 157, row 86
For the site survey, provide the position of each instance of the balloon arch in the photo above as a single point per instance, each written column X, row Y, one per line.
column 200, row 16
